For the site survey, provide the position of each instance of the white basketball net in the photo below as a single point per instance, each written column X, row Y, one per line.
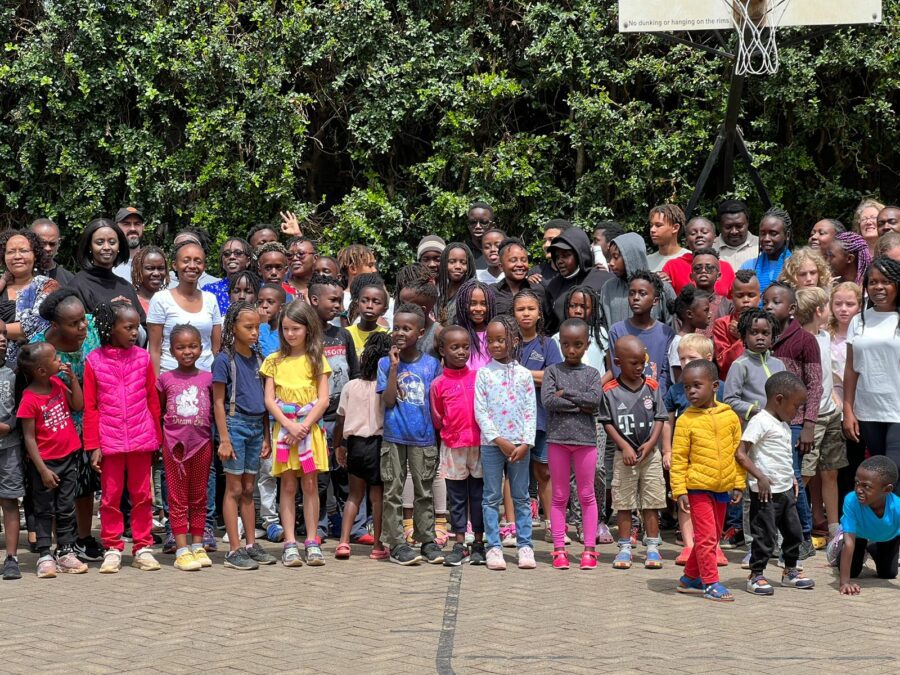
column 757, row 50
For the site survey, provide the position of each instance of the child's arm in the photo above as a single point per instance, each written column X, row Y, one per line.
column 668, row 429
column 340, row 450
column 226, row 449
column 275, row 410
column 267, row 439
column 90, row 424
column 437, row 407
column 153, row 403
column 485, row 418
column 154, row 344
column 588, row 398
column 812, row 378
column 734, row 388
column 851, row 425
column 48, row 477
column 528, row 410
column 318, row 409
column 629, row 456
column 554, row 398
column 216, row 339
column 846, row 586
column 646, row 449
column 389, row 395
column 74, row 394
column 681, row 450
column 763, row 484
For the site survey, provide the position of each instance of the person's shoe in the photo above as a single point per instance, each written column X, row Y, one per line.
column 202, row 557
column 833, row 550
column 793, row 578
column 68, row 563
column 780, row 563
column 227, row 539
column 653, row 560
column 807, row 550
column 683, row 556
column 112, row 561
column 11, row 569
column 758, row 585
column 732, row 538
column 46, row 567
column 535, row 516
column 721, row 560
column 622, row 561
column 470, row 535
column 508, row 535
column 186, row 562
column 239, row 560
column 169, row 546
column 408, row 531
column 690, row 585
column 635, row 534
column 209, row 540
column 290, row 556
column 365, row 540
column 259, row 554
column 432, row 553
column 144, row 561
column 526, row 558
column 314, row 557
column 604, row 536
column 745, row 561
column 274, row 532
column 441, row 533
column 819, row 542
column 495, row 559
column 560, row 559
column 88, row 549
column 457, row 556
column 477, row 554
column 403, row 554
column 588, row 560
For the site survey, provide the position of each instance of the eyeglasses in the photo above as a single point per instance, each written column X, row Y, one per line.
column 299, row 255
column 704, row 268
column 234, row 253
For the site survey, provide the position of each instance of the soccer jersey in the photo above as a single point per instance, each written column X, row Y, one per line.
column 632, row 412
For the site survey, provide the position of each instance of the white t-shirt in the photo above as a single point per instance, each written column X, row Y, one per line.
column 167, row 313
column 826, row 405
column 771, row 451
column 656, row 260
column 486, row 277
column 876, row 358
column 674, row 361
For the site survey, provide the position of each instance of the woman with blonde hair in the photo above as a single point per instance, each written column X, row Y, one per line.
column 865, row 221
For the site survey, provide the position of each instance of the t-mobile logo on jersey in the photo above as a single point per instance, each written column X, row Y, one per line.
column 626, row 424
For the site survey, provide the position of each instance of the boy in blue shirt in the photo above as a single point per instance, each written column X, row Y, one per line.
column 404, row 383
column 870, row 524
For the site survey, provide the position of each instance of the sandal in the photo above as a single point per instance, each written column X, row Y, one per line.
column 589, row 560
column 560, row 559
column 342, row 552
column 379, row 554
column 718, row 593
column 441, row 535
column 690, row 585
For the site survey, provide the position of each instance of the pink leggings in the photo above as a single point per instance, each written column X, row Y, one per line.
column 584, row 458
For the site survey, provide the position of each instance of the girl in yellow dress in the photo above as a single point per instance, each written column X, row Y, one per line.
column 296, row 389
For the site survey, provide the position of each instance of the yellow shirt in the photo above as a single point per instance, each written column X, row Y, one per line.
column 360, row 336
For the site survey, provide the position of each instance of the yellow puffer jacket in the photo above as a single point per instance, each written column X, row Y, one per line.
column 703, row 451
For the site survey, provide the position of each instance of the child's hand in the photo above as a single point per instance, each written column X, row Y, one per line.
column 394, row 356
column 266, row 450
column 66, row 369
column 226, row 451
column 796, row 488
column 850, row 589
column 667, row 460
column 518, row 452
column 664, row 277
column 505, row 446
column 340, row 454
column 736, row 496
column 684, row 504
column 807, row 438
column 290, row 226
column 559, row 393
column 49, row 479
column 733, row 329
column 629, row 457
column 851, row 425
column 764, row 486
column 96, row 458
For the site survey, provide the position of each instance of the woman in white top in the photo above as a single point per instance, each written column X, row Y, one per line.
column 185, row 303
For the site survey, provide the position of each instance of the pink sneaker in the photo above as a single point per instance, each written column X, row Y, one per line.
column 495, row 559
column 604, row 536
column 46, row 567
column 69, row 564
column 526, row 558
column 560, row 560
column 508, row 535
column 589, row 560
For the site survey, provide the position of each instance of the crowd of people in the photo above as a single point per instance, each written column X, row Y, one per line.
column 727, row 387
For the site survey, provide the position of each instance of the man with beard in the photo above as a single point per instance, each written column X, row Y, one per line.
column 131, row 221
column 47, row 233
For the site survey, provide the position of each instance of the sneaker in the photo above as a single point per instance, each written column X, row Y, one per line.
column 457, row 556
column 186, row 562
column 604, row 536
column 227, row 540
column 732, row 538
column 745, row 561
column 239, row 560
column 46, row 567
column 653, row 560
column 683, row 556
column 11, row 569
column 209, row 540
column 274, row 532
column 144, row 561
column 169, row 546
column 807, row 550
column 560, row 560
column 88, row 549
column 112, row 562
column 257, row 553
column 508, row 535
column 793, row 578
column 535, row 516
column 526, row 558
column 495, row 559
column 780, row 563
column 432, row 553
column 68, row 563
column 403, row 554
column 477, row 554
column 314, row 557
column 290, row 556
column 622, row 561
column 833, row 550
column 721, row 560
column 548, row 534
column 159, row 525
column 470, row 535
column 201, row 557
column 757, row 584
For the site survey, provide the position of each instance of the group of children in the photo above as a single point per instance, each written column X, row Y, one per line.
column 715, row 407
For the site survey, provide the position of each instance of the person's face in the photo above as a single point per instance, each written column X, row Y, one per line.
column 868, row 223
column 407, row 330
column 759, row 337
column 431, row 260
column 190, row 262
column 326, row 267
column 514, row 262
column 302, row 259
column 372, row 303
column 478, row 307
column 599, row 239
column 686, row 355
column 615, row 261
column 699, row 314
column 580, row 307
column 699, row 234
column 662, row 232
column 294, row 332
column 234, row 257
column 699, row 387
column 771, row 235
column 734, row 228
column 631, row 361
column 272, row 265
column 778, row 302
column 133, row 227
column 821, row 236
column 262, row 237
column 893, row 253
column 246, row 328
column 881, row 291
column 243, row 291
column 50, row 362
column 186, row 348
column 745, row 296
column 844, row 306
column 786, row 407
column 888, row 221
column 425, row 302
column 124, row 332
column 457, row 265
column 153, row 273
column 48, row 235
column 269, row 303
column 490, row 248
column 19, row 256
column 549, row 236
column 497, row 343
column 328, row 302
column 870, row 488
column 526, row 312
column 807, row 275
column 104, row 247
column 839, row 260
column 4, row 337
column 479, row 221
column 367, row 267
column 573, row 342
column 455, row 348
column 566, row 261
column 71, row 322
column 705, row 271
column 641, row 297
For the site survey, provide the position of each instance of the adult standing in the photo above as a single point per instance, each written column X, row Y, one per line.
column 479, row 219
column 201, row 238
column 889, row 246
column 699, row 234
column 514, row 263
column 149, row 273
column 131, row 221
column 301, row 259
column 574, row 260
column 545, row 272
column 888, row 220
column 48, row 234
column 234, row 258
column 865, row 221
column 735, row 243
column 823, row 233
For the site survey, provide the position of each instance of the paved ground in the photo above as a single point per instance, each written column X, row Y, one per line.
column 360, row 616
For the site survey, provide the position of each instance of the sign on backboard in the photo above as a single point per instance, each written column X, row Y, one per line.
column 651, row 16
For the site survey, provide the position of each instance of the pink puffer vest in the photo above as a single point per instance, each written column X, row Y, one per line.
column 126, row 423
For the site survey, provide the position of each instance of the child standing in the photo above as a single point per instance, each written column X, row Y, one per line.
column 12, row 470
column 705, row 475
column 692, row 310
column 633, row 415
column 243, row 426
column 270, row 300
column 453, row 414
column 505, row 409
column 404, row 382
column 744, row 295
column 571, row 394
column 707, row 275
column 474, row 311
column 51, row 442
column 765, row 454
column 296, row 395
column 121, row 431
column 745, row 387
column 368, row 300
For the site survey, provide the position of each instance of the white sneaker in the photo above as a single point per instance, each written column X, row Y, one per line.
column 495, row 559
column 240, row 532
column 144, row 560
column 112, row 561
column 526, row 558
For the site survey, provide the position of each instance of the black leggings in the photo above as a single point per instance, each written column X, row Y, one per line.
column 884, row 553
column 882, row 438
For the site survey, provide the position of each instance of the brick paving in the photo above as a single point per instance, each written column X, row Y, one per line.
column 360, row 616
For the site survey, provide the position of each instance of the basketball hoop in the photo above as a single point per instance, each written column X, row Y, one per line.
column 757, row 50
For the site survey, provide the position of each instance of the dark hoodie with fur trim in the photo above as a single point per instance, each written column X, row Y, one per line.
column 586, row 275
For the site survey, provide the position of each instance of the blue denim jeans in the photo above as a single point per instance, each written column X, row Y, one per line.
column 518, row 473
column 803, row 509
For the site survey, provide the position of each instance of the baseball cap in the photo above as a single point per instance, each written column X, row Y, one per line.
column 430, row 242
column 126, row 211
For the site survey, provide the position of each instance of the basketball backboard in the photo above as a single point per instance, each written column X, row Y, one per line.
column 653, row 16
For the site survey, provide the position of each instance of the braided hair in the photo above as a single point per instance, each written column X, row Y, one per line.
column 890, row 269
column 443, row 278
column 752, row 315
column 513, row 334
column 594, row 319
column 410, row 275
column 355, row 255
column 528, row 294
column 106, row 314
column 378, row 345
column 228, row 324
column 785, row 219
column 689, row 295
column 464, row 299
column 853, row 243
column 137, row 265
column 361, row 282
column 251, row 277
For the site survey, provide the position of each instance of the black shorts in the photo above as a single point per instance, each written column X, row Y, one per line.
column 364, row 458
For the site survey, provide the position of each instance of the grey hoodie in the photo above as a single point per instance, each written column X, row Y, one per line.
column 614, row 294
column 745, row 386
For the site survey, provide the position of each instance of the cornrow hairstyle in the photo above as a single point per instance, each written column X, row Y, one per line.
column 844, row 286
column 785, row 287
column 652, row 278
column 513, row 334
column 228, row 324
column 890, row 269
column 304, row 314
column 316, row 281
column 752, row 315
column 378, row 345
column 528, row 294
column 137, row 265
column 83, row 253
column 49, row 309
column 106, row 314
column 268, row 247
column 361, row 282
column 785, row 219
column 689, row 295
column 182, row 328
column 881, row 465
column 855, row 244
column 791, row 267
column 41, row 259
column 711, row 251
column 595, row 316
column 443, row 277
column 808, row 301
column 410, row 308
column 251, row 277
column 672, row 214
column 245, row 246
column 463, row 300
column 410, row 275
column 745, row 276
